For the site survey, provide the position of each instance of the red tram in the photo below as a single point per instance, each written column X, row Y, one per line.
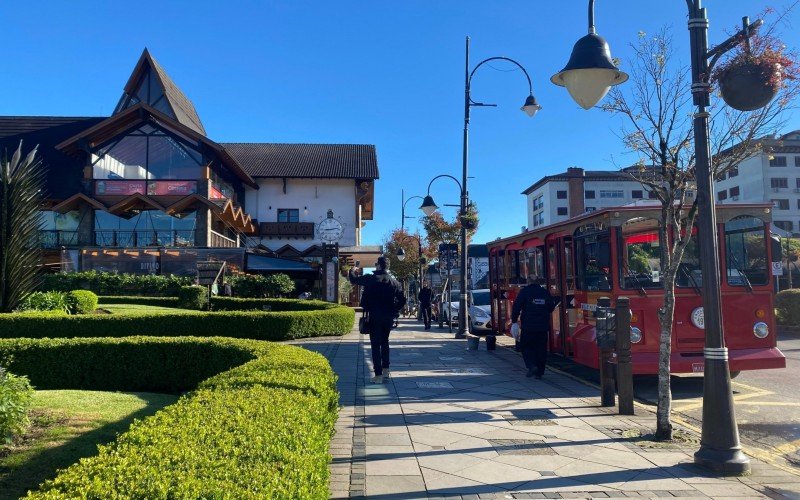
column 616, row 252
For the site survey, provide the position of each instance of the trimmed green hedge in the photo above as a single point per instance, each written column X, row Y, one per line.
column 193, row 297
column 225, row 303
column 787, row 305
column 260, row 428
column 82, row 301
column 103, row 283
column 282, row 325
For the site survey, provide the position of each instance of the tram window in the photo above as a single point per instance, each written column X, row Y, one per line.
column 689, row 271
column 522, row 267
column 640, row 261
column 746, row 251
column 535, row 261
column 594, row 262
column 499, row 268
column 552, row 271
column 570, row 266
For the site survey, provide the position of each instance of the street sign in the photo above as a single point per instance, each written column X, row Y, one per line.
column 777, row 268
column 448, row 256
column 208, row 271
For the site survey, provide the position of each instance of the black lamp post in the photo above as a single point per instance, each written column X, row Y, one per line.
column 403, row 215
column 530, row 107
column 588, row 76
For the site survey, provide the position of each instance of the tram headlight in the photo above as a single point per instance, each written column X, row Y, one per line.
column 636, row 335
column 760, row 330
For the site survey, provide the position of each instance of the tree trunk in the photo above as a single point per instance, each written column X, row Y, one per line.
column 666, row 317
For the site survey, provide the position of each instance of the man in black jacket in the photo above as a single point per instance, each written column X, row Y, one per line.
column 534, row 304
column 425, row 295
column 382, row 298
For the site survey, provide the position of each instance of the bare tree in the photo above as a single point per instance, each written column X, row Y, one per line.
column 656, row 107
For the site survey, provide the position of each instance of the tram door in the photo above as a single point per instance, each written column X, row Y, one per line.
column 556, row 285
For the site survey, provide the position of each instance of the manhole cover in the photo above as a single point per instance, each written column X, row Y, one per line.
column 469, row 371
column 434, row 385
column 451, row 358
column 531, row 417
column 520, row 447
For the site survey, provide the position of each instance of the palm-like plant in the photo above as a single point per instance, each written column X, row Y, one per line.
column 21, row 184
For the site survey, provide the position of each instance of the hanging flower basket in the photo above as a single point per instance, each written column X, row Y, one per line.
column 468, row 223
column 750, row 85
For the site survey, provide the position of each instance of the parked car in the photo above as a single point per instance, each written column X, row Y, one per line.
column 479, row 318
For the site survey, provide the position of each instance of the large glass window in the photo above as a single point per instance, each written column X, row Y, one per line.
column 147, row 228
column 288, row 215
column 147, row 153
column 593, row 259
column 746, row 251
column 640, row 255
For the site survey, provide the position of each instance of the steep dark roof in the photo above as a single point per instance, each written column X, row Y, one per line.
column 338, row 161
column 46, row 132
column 181, row 106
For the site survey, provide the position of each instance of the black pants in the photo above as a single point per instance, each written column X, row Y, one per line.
column 379, row 341
column 534, row 350
column 426, row 315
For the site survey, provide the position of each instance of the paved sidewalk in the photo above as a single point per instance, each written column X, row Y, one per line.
column 454, row 423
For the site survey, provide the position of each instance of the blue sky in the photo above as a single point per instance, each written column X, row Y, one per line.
column 377, row 72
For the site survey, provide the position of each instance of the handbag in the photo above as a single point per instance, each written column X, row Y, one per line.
column 363, row 323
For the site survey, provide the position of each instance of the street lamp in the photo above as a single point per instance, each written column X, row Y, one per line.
column 590, row 72
column 530, row 107
column 403, row 215
column 719, row 443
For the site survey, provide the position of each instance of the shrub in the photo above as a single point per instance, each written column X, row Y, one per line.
column 115, row 284
column 787, row 305
column 219, row 441
column 15, row 399
column 82, row 301
column 46, row 301
column 254, row 285
column 227, row 303
column 193, row 297
column 280, row 325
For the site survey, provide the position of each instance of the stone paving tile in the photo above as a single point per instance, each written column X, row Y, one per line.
column 399, row 441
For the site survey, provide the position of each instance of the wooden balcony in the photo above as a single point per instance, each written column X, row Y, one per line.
column 300, row 230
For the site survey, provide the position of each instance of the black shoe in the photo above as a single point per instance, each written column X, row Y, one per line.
column 530, row 374
column 538, row 376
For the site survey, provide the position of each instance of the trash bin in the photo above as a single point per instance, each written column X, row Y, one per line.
column 472, row 342
column 491, row 342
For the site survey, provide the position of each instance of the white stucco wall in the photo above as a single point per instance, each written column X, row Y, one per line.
column 317, row 195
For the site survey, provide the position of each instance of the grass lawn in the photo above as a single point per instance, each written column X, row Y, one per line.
column 66, row 426
column 134, row 309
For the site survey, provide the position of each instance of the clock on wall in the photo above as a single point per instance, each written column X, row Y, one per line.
column 330, row 230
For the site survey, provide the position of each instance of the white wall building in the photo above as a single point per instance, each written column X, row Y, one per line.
column 773, row 175
column 558, row 197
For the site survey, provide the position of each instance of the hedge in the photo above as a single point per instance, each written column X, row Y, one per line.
column 193, row 297
column 226, row 303
column 82, row 301
column 787, row 305
column 259, row 325
column 219, row 441
column 115, row 284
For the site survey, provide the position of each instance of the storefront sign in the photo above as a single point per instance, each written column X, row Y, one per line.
column 120, row 188
column 171, row 188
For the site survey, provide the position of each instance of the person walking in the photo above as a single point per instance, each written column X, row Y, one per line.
column 382, row 299
column 533, row 305
column 425, row 295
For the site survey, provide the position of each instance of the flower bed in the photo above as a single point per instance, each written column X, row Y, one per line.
column 256, row 424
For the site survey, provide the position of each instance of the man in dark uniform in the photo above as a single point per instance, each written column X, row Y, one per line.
column 382, row 298
column 425, row 295
column 535, row 305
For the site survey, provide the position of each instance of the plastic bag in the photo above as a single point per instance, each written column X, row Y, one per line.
column 515, row 331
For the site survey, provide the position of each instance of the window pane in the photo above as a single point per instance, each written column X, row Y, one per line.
column 589, row 195
column 689, row 272
column 777, row 161
column 594, row 262
column 746, row 251
column 288, row 215
column 561, row 195
column 126, row 159
column 170, row 160
column 640, row 255
column 735, row 191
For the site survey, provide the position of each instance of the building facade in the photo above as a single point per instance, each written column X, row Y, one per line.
column 558, row 197
column 772, row 175
column 145, row 190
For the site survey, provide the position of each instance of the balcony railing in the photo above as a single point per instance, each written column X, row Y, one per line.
column 145, row 238
column 222, row 241
column 57, row 238
column 286, row 229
